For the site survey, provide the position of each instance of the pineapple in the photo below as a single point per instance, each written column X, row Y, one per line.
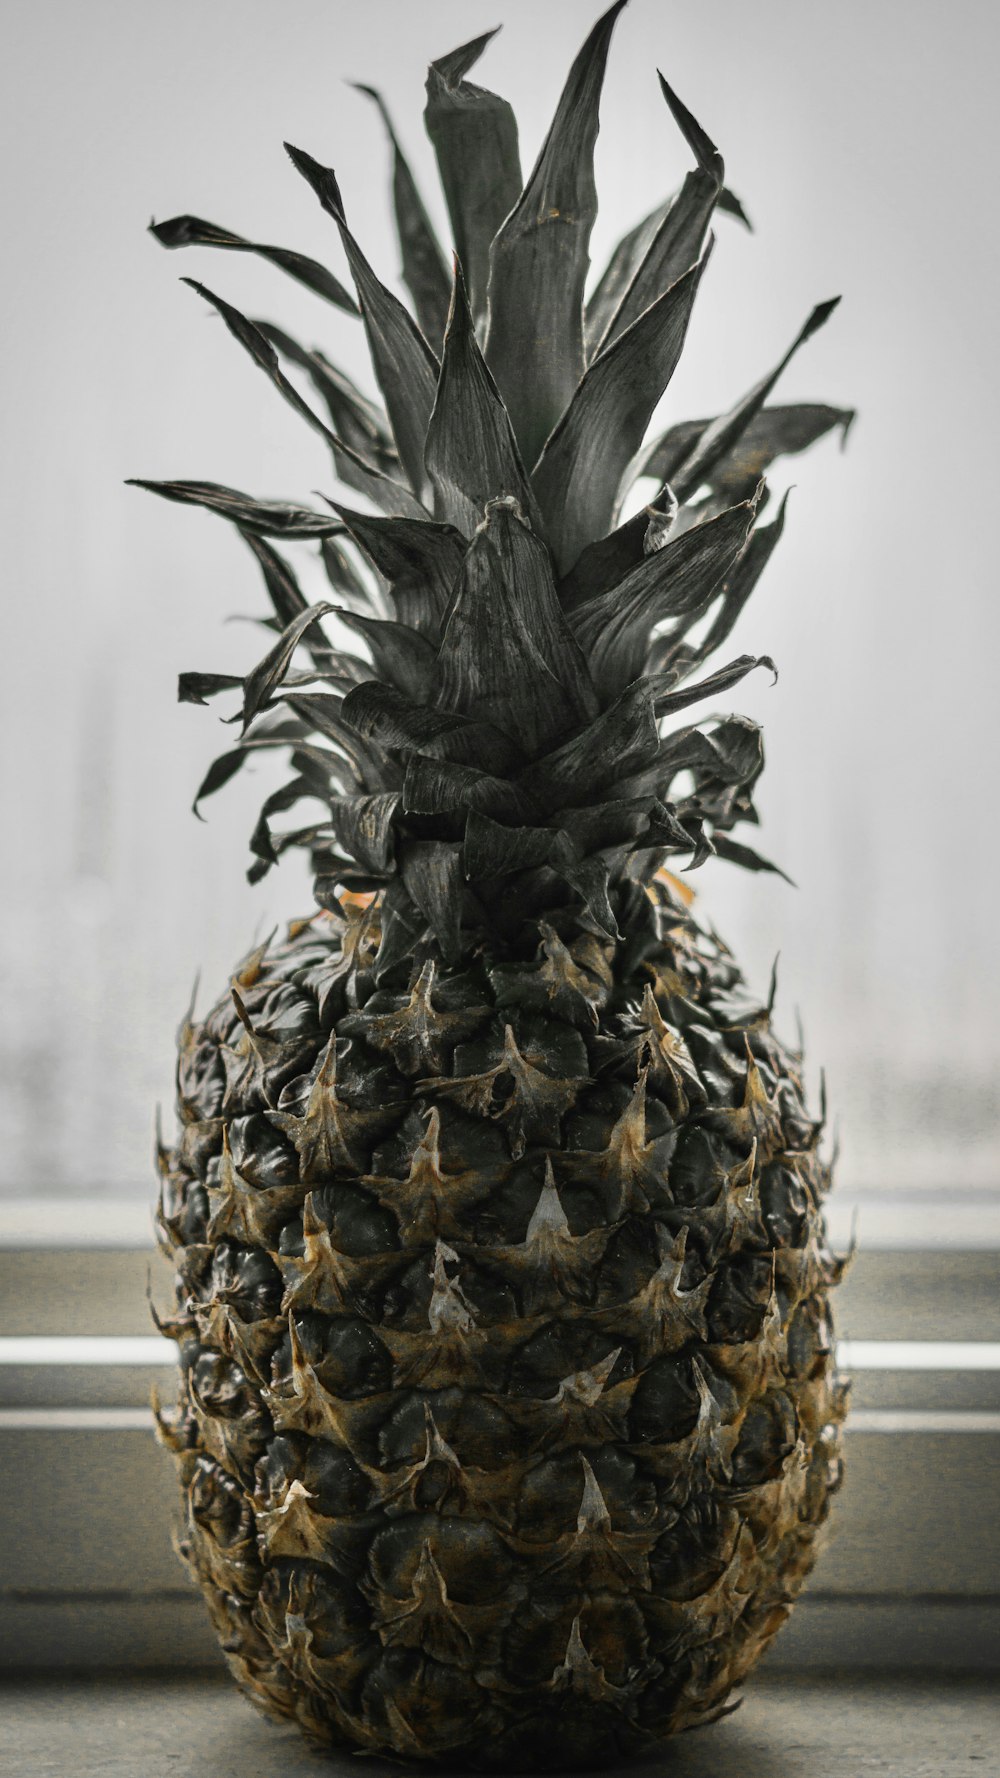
column 508, row 1414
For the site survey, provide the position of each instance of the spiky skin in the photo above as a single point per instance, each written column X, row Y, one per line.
column 508, row 1413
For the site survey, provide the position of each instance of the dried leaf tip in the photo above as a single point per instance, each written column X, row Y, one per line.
column 453, row 67
column 698, row 140
column 322, row 179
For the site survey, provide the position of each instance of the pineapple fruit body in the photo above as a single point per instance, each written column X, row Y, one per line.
column 508, row 1413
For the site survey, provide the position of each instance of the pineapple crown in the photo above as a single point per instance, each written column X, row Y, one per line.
column 499, row 752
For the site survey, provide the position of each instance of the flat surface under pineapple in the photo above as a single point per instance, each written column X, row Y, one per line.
column 839, row 1725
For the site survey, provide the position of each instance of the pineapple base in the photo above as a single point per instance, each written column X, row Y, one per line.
column 508, row 1415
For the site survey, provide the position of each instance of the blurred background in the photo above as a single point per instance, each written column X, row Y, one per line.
column 861, row 139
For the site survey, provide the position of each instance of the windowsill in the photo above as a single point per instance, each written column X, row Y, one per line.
column 835, row 1724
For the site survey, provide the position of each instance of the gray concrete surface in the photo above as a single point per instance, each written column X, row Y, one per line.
column 833, row 1726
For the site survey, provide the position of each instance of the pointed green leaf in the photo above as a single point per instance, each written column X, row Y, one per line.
column 621, row 741
column 360, row 422
column 730, row 205
column 219, row 773
column 400, row 654
column 618, row 274
column 609, row 559
column 471, row 454
column 405, row 366
column 323, row 712
column 261, row 684
column 771, row 433
column 438, row 787
column 590, row 878
column 197, row 688
column 364, row 827
column 507, row 653
column 281, row 734
column 671, row 653
column 669, row 702
column 540, row 257
column 730, row 757
column 421, row 562
column 676, row 242
column 736, row 853
column 493, row 849
column 289, row 603
column 268, row 518
column 475, row 139
column 432, row 875
column 614, row 628
column 391, row 495
column 381, row 713
column 262, row 840
column 346, row 579
column 425, row 272
column 675, row 247
column 582, row 465
column 191, row 231
column 284, row 591
column 724, row 434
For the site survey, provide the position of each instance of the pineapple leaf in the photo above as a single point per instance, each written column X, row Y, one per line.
column 400, row 654
column 197, row 688
column 621, row 741
column 675, row 242
column 494, row 850
column 364, row 827
column 471, row 454
column 729, row 759
column 507, row 652
column 729, row 204
column 438, row 787
column 432, row 875
column 540, row 257
column 474, row 133
column 578, row 474
column 602, row 563
column 613, row 629
column 262, row 843
column 266, row 518
column 324, row 713
column 260, row 685
column 404, row 364
column 381, row 713
column 284, row 591
column 669, row 653
column 769, row 433
column 668, row 702
column 191, row 231
column 346, row 579
column 627, row 258
column 424, row 270
column 391, row 495
column 289, row 602
column 421, row 562
column 737, row 853
column 219, row 773
column 361, row 423
column 280, row 734
column 674, row 248
column 722, row 436
column 617, row 275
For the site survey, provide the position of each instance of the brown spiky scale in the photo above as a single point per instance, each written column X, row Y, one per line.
column 508, row 1417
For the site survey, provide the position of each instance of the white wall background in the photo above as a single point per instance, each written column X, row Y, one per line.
column 863, row 139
